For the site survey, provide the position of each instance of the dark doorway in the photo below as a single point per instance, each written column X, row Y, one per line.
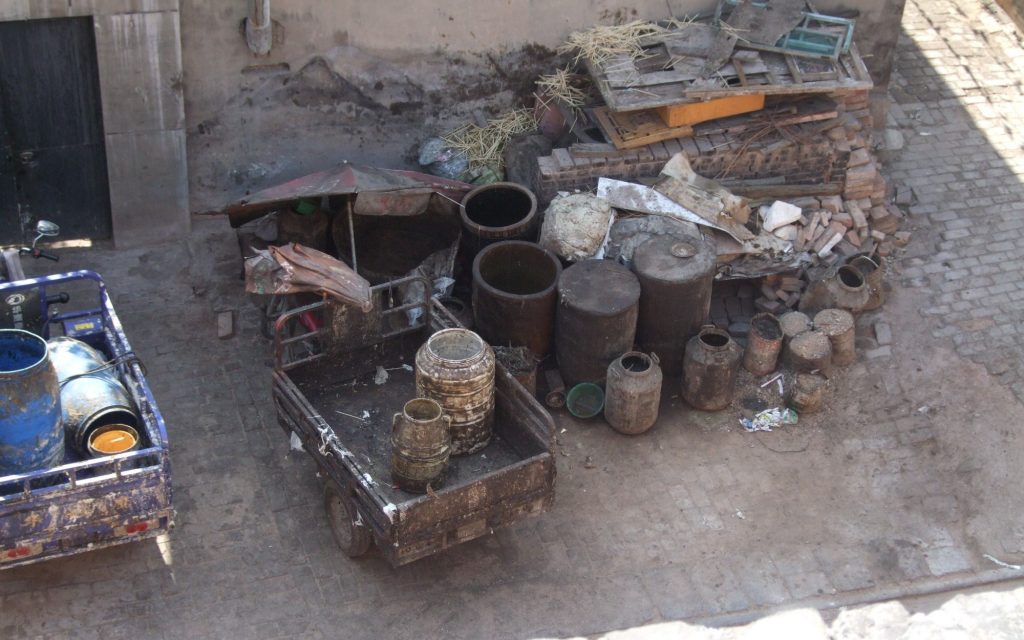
column 53, row 162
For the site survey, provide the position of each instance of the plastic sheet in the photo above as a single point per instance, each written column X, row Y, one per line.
column 297, row 269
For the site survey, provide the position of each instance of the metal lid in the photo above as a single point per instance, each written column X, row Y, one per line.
column 674, row 259
column 600, row 287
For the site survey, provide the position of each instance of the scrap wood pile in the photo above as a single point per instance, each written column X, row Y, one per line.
column 771, row 102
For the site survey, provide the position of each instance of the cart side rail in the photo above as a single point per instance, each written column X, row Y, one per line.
column 344, row 327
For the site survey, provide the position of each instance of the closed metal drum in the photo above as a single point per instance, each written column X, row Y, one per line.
column 514, row 295
column 420, row 446
column 632, row 393
column 31, row 434
column 710, row 364
column 455, row 367
column 675, row 279
column 595, row 323
column 495, row 212
column 73, row 357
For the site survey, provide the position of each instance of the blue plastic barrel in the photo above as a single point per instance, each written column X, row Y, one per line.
column 31, row 433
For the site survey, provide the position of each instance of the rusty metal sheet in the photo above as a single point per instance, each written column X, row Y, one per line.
column 387, row 191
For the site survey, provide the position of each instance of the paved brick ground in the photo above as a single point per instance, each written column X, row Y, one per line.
column 958, row 98
column 901, row 486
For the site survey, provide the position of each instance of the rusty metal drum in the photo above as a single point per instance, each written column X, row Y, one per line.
column 455, row 367
column 838, row 325
column 31, row 435
column 763, row 344
column 710, row 364
column 675, row 279
column 420, row 445
column 632, row 393
column 874, row 275
column 807, row 393
column 514, row 295
column 595, row 323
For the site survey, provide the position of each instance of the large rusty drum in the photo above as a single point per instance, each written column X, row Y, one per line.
column 455, row 367
column 514, row 295
column 675, row 276
column 596, row 318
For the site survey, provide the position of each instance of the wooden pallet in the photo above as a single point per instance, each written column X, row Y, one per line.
column 635, row 129
column 669, row 74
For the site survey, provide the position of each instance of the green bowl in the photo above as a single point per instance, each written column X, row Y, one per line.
column 585, row 400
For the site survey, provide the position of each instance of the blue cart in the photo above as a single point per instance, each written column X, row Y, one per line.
column 83, row 505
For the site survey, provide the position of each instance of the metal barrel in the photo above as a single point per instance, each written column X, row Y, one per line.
column 809, row 352
column 91, row 401
column 838, row 325
column 793, row 324
column 455, row 367
column 495, row 212
column 420, row 446
column 73, row 357
column 710, row 364
column 675, row 278
column 31, row 436
column 632, row 393
column 763, row 344
column 514, row 295
column 598, row 302
column 807, row 392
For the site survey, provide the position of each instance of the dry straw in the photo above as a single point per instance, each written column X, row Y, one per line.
column 484, row 145
column 598, row 44
column 564, row 86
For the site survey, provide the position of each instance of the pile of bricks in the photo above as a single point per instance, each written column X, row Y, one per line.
column 831, row 155
column 830, row 229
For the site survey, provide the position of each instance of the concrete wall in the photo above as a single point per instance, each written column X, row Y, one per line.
column 345, row 80
column 367, row 81
column 139, row 58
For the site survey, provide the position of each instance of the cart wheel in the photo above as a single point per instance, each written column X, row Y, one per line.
column 351, row 535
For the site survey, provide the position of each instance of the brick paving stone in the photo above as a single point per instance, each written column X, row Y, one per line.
column 968, row 187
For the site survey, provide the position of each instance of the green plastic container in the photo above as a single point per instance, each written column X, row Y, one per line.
column 585, row 400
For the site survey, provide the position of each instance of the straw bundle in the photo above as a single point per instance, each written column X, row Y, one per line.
column 564, row 86
column 600, row 43
column 483, row 146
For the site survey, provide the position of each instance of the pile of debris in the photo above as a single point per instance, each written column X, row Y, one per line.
column 716, row 169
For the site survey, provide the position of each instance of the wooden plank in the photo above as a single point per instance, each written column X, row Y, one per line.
column 782, row 191
column 632, row 130
column 595, row 150
column 696, row 112
column 773, row 77
column 794, row 70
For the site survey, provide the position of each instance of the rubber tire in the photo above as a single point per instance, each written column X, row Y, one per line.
column 351, row 537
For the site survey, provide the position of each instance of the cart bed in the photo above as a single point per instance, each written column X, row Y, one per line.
column 324, row 381
column 369, row 441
